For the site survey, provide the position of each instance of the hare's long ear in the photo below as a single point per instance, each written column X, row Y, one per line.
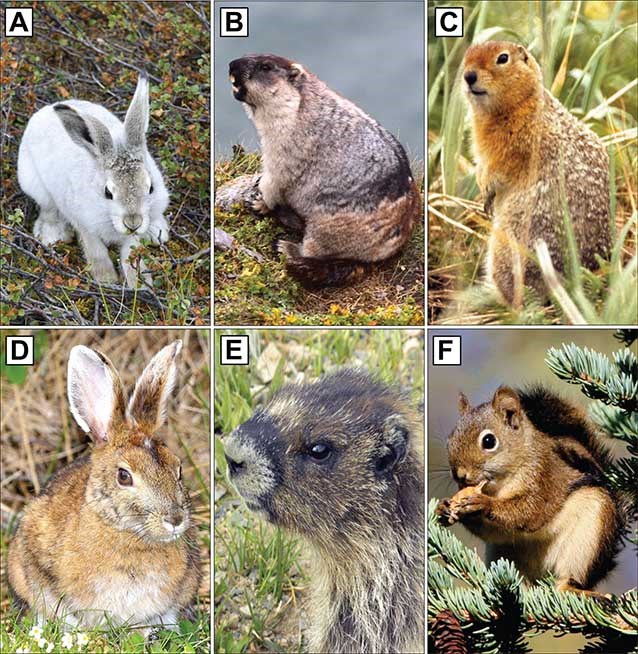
column 95, row 393
column 147, row 407
column 85, row 131
column 136, row 121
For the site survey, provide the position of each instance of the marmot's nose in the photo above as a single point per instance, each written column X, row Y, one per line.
column 234, row 466
column 470, row 77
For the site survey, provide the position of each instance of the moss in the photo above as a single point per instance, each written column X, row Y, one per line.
column 263, row 293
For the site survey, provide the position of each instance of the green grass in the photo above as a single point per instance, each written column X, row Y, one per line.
column 254, row 292
column 587, row 53
column 261, row 572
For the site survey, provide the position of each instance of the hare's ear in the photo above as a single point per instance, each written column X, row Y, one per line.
column 136, row 121
column 85, row 131
column 147, row 407
column 95, row 393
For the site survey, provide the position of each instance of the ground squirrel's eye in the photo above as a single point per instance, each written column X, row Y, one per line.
column 150, row 190
column 320, row 451
column 487, row 440
column 124, row 477
column 503, row 58
column 107, row 194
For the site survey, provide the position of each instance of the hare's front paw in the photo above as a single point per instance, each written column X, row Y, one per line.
column 50, row 228
column 158, row 231
column 103, row 271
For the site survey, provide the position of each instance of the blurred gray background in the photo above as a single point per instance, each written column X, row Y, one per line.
column 370, row 52
column 515, row 357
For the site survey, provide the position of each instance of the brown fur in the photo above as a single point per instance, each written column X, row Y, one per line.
column 531, row 153
column 543, row 501
column 88, row 546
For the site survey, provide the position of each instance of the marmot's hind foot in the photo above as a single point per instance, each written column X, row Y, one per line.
column 316, row 273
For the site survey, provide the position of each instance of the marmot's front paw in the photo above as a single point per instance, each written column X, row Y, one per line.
column 259, row 207
column 289, row 249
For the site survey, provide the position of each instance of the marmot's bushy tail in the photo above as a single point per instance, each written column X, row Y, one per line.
column 315, row 272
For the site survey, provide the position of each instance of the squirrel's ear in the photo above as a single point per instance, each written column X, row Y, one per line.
column 464, row 404
column 396, row 435
column 95, row 393
column 147, row 406
column 507, row 406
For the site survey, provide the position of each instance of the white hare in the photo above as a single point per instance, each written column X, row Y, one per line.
column 88, row 171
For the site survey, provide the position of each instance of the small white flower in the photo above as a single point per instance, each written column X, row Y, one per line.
column 42, row 642
column 50, row 647
column 67, row 641
column 36, row 632
column 83, row 639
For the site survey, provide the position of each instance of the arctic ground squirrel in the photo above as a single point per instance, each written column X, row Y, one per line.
column 328, row 170
column 535, row 160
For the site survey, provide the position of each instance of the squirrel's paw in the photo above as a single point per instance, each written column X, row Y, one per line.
column 444, row 513
column 470, row 503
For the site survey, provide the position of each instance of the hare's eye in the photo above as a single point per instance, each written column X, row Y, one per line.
column 150, row 190
column 502, row 58
column 124, row 477
column 107, row 194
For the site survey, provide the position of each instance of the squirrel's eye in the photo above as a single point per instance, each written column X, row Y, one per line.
column 107, row 194
column 320, row 451
column 150, row 190
column 503, row 58
column 124, row 477
column 487, row 440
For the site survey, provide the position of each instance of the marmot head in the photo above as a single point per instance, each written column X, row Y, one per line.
column 258, row 78
column 499, row 76
column 333, row 460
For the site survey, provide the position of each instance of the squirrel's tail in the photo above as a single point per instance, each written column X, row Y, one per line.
column 315, row 272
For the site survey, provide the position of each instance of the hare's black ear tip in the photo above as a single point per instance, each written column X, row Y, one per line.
column 60, row 108
column 143, row 74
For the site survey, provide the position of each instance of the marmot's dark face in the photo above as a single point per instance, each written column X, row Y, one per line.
column 325, row 459
column 252, row 75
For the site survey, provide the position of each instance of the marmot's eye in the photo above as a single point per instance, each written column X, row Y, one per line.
column 150, row 190
column 124, row 477
column 487, row 440
column 107, row 194
column 320, row 451
column 265, row 67
column 179, row 472
column 503, row 58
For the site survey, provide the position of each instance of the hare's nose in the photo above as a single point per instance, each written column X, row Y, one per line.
column 173, row 521
column 132, row 223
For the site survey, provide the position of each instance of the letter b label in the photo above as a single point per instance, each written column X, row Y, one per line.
column 233, row 21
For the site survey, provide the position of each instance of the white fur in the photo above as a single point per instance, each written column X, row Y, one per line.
column 67, row 182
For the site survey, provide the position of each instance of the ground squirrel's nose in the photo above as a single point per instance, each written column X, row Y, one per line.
column 470, row 77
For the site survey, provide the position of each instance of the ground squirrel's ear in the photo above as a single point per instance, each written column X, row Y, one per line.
column 395, row 443
column 507, row 406
column 147, row 407
column 523, row 52
column 464, row 404
column 95, row 393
